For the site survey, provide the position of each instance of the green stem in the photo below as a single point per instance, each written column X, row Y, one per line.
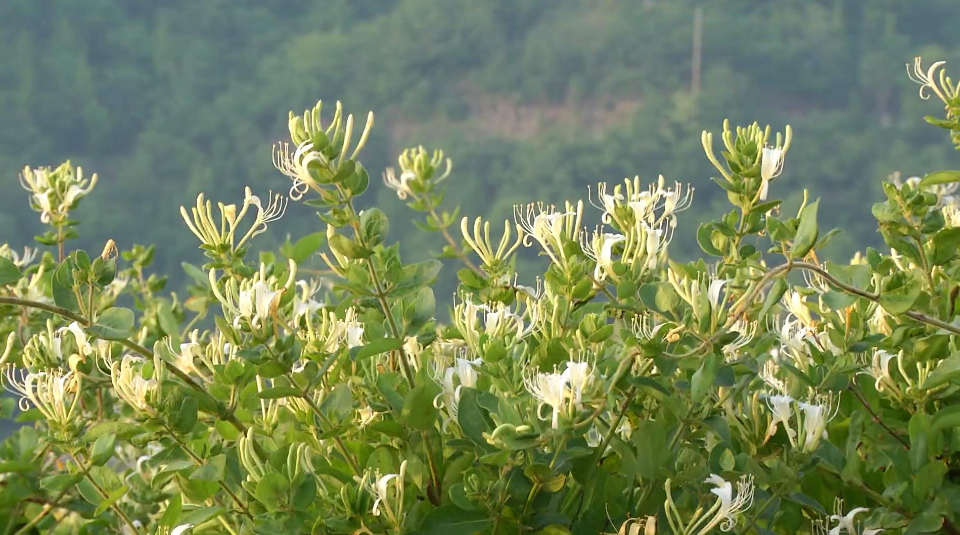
column 336, row 439
column 199, row 462
column 116, row 508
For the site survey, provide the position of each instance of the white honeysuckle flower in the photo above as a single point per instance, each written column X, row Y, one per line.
column 815, row 419
column 930, row 80
column 182, row 529
column 728, row 506
column 387, row 502
column 781, row 409
column 53, row 392
column 796, row 305
column 54, row 192
column 769, row 372
column 593, row 437
column 402, row 184
column 550, row 227
column 324, row 333
column 951, row 215
column 201, row 222
column 131, row 386
column 599, row 247
column 745, row 330
column 21, row 261
column 303, row 302
column 80, row 336
column 465, row 372
column 254, row 299
column 625, row 429
column 846, row 523
column 550, row 389
column 367, row 415
column 579, row 377
column 353, row 328
column 771, row 165
column 880, row 369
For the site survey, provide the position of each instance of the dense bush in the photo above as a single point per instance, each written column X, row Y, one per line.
column 618, row 392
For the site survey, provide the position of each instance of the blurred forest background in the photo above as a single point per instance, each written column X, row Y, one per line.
column 532, row 99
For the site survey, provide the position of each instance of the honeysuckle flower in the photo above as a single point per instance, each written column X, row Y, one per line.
column 728, row 506
column 930, row 80
column 846, row 523
column 132, row 387
column 549, row 389
column 951, row 215
column 880, row 370
column 599, row 247
column 418, row 171
column 388, row 491
column 303, row 302
column 797, row 306
column 184, row 357
column 200, row 220
column 55, row 393
column 769, row 372
column 367, row 415
column 815, row 419
column 324, row 332
column 781, row 409
column 55, row 192
column 182, row 529
column 593, row 437
column 745, row 330
column 550, row 227
column 81, row 338
column 254, row 299
column 303, row 131
column 20, row 261
column 638, row 526
column 579, row 377
column 625, row 429
column 402, row 184
column 353, row 328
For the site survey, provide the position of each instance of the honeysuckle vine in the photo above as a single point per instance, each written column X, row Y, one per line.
column 760, row 389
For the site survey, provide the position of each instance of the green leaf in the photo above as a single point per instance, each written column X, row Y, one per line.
column 187, row 415
column 110, row 500
column 62, row 286
column 659, row 296
column 900, row 293
column 227, row 430
column 114, row 323
column 940, row 177
column 945, row 245
column 448, row 519
column 305, row 246
column 272, row 490
column 471, row 418
column 376, row 347
column 776, row 292
column 418, row 410
column 59, row 482
column 703, row 378
column 9, row 272
column 201, row 515
column 278, row 392
column 806, row 231
column 103, row 449
column 212, row 469
column 374, row 224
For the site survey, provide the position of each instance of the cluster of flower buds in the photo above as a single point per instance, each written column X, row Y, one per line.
column 754, row 160
column 420, row 172
column 496, row 321
column 551, row 227
column 55, row 192
column 220, row 238
column 321, row 153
